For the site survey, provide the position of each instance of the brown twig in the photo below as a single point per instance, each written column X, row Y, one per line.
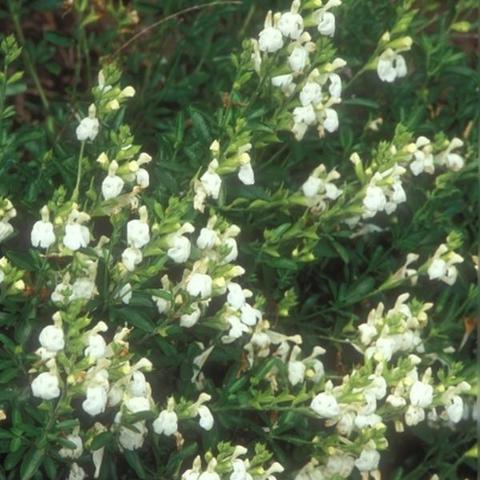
column 171, row 17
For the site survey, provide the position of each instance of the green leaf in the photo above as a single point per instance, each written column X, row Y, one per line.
column 31, row 462
column 134, row 461
column 12, row 459
column 135, row 317
column 199, row 125
column 101, row 440
column 58, row 40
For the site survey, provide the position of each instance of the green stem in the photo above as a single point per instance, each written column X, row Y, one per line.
column 79, row 173
column 356, row 76
column 3, row 94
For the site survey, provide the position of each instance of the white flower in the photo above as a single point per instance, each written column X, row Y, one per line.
column 291, row 25
column 96, row 400
column 180, row 248
column 378, row 387
column 341, row 465
column 237, row 329
column 143, row 178
column 240, row 470
column 396, row 401
column 270, row 38
column 188, row 320
column 200, row 284
column 391, row 65
column 207, row 239
column 112, row 184
column 59, row 293
column 451, row 160
column 76, row 236
column 138, row 404
column 46, row 386
column 163, row 304
column 51, row 337
column 83, row 289
column 209, row 476
column 325, row 405
column 454, row 409
column 76, row 472
column 423, row 157
column 250, row 316
column 368, row 460
column 166, row 423
column 304, row 115
column 455, row 162
column 330, row 122
column 211, row 181
column 311, row 471
column 206, row 418
column 370, row 421
column 442, row 265
column 42, row 232
column 131, row 257
column 97, row 347
column 384, row 349
column 131, row 440
column 296, row 372
column 346, row 423
column 88, row 129
column 312, row 186
column 193, row 473
column 299, row 130
column 335, row 87
column 332, row 192
column 138, row 386
column 326, row 23
column 5, row 230
column 437, row 269
column 398, row 194
column 232, row 255
column 298, row 59
column 236, row 296
column 138, row 231
column 374, row 200
column 421, row 394
column 414, row 415
column 75, row 452
column 311, row 93
column 246, row 174
column 285, row 82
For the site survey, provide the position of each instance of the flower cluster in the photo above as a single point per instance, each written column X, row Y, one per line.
column 442, row 265
column 111, row 97
column 7, row 212
column 230, row 465
column 11, row 278
column 210, row 182
column 385, row 188
column 319, row 187
column 389, row 383
column 384, row 192
column 319, row 87
column 106, row 377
